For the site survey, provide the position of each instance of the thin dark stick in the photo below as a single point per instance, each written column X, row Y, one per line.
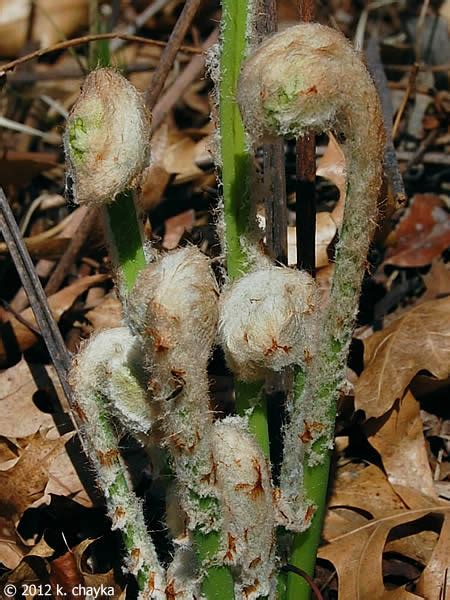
column 442, row 68
column 170, row 51
column 266, row 19
column 305, row 207
column 306, row 10
column 71, row 73
column 410, row 91
column 16, row 314
column 309, row 580
column 390, row 156
column 420, row 152
column 71, row 253
column 171, row 96
column 275, row 201
column 36, row 295
column 85, row 39
column 443, row 590
column 274, row 176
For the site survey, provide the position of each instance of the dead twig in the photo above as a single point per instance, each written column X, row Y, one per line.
column 421, row 150
column 139, row 21
column 30, row 242
column 305, row 206
column 71, row 253
column 71, row 73
column 16, row 314
column 443, row 68
column 86, row 39
column 410, row 90
column 180, row 85
column 309, row 580
column 170, row 51
column 36, row 295
column 392, row 169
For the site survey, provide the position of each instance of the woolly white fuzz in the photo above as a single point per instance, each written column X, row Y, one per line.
column 181, row 581
column 100, row 374
column 107, row 138
column 248, row 528
column 299, row 80
column 173, row 307
column 268, row 321
column 110, row 364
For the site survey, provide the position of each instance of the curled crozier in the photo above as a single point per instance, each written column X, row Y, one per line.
column 107, row 138
column 173, row 308
column 248, row 514
column 305, row 79
column 105, row 385
column 268, row 321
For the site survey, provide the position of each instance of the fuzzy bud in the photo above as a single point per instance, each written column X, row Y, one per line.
column 103, row 377
column 248, row 527
column 305, row 78
column 173, row 308
column 268, row 321
column 110, row 363
column 107, row 138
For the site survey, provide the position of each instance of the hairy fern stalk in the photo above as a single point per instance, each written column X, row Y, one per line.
column 149, row 377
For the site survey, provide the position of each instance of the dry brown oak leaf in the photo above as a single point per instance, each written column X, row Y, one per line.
column 20, row 415
column 435, row 578
column 417, row 341
column 357, row 557
column 58, row 303
column 71, row 570
column 362, row 494
column 25, row 482
column 422, row 234
column 398, row 437
column 31, row 570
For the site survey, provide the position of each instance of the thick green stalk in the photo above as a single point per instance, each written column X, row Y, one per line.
column 102, row 443
column 235, row 157
column 236, row 174
column 122, row 227
column 120, row 498
column 111, row 353
column 305, row 544
column 316, row 404
column 252, row 395
column 125, row 240
column 218, row 582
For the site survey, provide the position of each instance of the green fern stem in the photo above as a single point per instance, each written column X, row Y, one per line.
column 236, row 181
column 235, row 157
column 124, row 237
